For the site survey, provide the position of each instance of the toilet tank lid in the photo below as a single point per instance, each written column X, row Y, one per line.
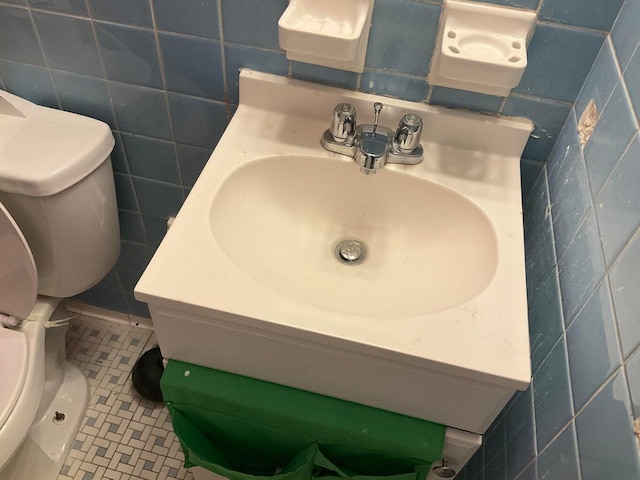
column 43, row 150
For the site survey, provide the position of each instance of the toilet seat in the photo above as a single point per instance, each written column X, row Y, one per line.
column 18, row 275
column 21, row 350
column 13, row 359
column 25, row 398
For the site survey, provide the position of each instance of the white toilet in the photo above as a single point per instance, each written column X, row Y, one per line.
column 59, row 236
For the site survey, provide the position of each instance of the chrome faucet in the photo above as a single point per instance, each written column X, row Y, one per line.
column 373, row 146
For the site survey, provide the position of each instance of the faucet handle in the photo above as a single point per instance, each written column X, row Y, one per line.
column 343, row 123
column 407, row 137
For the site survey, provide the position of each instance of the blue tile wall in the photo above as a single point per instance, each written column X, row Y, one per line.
column 583, row 310
column 128, row 12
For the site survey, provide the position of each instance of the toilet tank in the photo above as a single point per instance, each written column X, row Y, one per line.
column 56, row 180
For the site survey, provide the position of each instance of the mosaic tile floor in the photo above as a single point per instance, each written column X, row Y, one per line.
column 123, row 436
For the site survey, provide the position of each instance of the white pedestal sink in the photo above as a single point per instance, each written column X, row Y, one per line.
column 432, row 324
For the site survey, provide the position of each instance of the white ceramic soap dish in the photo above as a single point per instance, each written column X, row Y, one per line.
column 481, row 47
column 331, row 33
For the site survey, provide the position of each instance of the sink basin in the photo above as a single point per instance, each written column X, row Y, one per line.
column 418, row 235
column 428, row 320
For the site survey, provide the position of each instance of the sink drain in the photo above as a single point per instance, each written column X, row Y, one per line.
column 350, row 252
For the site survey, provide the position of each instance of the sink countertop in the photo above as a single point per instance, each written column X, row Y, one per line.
column 484, row 339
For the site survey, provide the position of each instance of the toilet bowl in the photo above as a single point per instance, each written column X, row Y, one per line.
column 59, row 236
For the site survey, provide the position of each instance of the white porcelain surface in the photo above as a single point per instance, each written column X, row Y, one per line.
column 15, row 426
column 481, row 47
column 14, row 353
column 418, row 236
column 332, row 33
column 244, row 280
column 18, row 276
column 44, row 150
column 74, row 234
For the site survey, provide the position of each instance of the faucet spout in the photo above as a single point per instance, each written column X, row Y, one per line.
column 372, row 152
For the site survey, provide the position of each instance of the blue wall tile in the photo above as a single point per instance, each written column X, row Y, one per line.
column 613, row 132
column 18, row 41
column 552, row 395
column 75, row 7
column 581, row 267
column 618, row 204
column 328, row 76
column 131, row 226
column 68, row 43
column 625, row 279
column 453, row 98
column 566, row 151
column 158, row 199
column 592, row 342
column 402, row 36
column 521, row 447
column 601, row 81
column 632, row 77
column 32, row 83
column 606, row 442
column 193, row 66
column 261, row 60
column 495, row 449
column 125, row 193
column 633, row 376
column 134, row 255
column 540, row 259
column 128, row 276
column 414, row 89
column 536, row 208
column 560, row 460
column 191, row 160
column 130, row 55
column 530, row 473
column 596, row 14
column 558, row 73
column 84, row 95
column 626, row 35
column 545, row 320
column 252, row 23
column 156, row 229
column 129, row 12
column 141, row 110
column 197, row 122
column 151, row 158
column 191, row 17
column 570, row 205
column 109, row 299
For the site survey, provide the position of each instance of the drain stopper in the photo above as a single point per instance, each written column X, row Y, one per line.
column 350, row 251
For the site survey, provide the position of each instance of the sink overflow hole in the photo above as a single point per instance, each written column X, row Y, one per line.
column 350, row 252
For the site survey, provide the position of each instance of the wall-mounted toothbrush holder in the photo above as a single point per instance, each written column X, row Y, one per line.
column 481, row 47
column 331, row 33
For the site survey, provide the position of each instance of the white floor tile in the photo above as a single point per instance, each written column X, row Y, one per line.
column 123, row 436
